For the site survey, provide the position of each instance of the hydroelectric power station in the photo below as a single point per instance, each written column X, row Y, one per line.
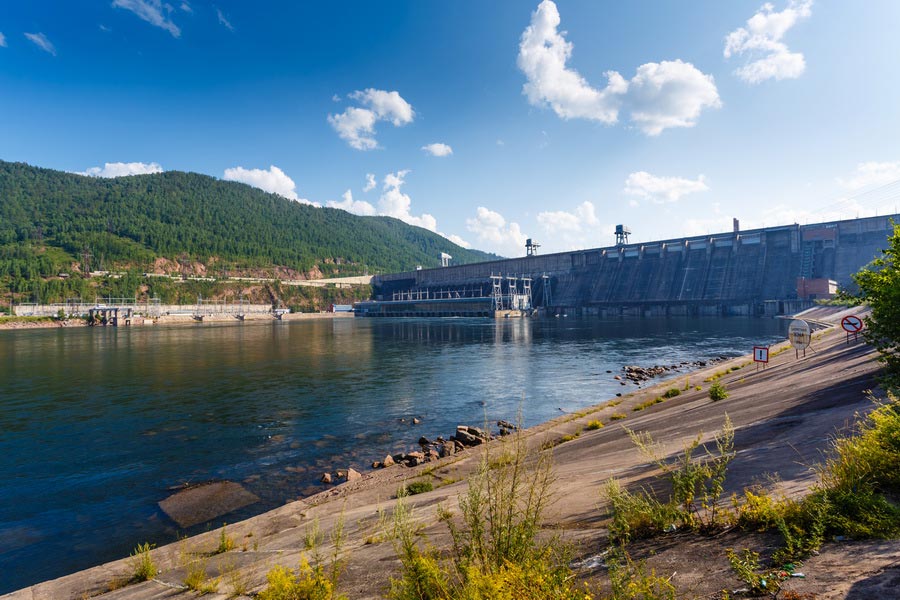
column 769, row 271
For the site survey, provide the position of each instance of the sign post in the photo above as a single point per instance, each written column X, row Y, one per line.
column 852, row 324
column 800, row 336
column 761, row 355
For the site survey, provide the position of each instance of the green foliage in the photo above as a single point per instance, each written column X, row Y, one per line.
column 496, row 553
column 879, row 287
column 49, row 218
column 672, row 392
column 631, row 581
column 418, row 487
column 141, row 563
column 616, row 416
column 309, row 581
column 196, row 578
column 593, row 425
column 746, row 566
column 637, row 515
column 226, row 542
column 305, row 583
column 717, row 392
column 649, row 403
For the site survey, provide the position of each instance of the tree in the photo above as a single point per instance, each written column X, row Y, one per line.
column 879, row 287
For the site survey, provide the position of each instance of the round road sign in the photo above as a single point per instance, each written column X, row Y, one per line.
column 799, row 334
column 852, row 324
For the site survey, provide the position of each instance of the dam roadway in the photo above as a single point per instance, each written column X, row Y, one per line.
column 766, row 271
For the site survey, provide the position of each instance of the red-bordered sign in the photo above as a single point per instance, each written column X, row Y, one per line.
column 852, row 324
column 761, row 354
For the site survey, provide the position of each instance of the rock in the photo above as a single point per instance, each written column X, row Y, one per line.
column 414, row 459
column 458, row 445
column 388, row 461
column 507, row 425
column 203, row 502
column 423, row 441
column 353, row 475
column 447, row 449
column 377, row 464
column 432, row 454
column 326, row 478
column 618, row 393
column 416, row 420
column 466, row 438
column 617, row 378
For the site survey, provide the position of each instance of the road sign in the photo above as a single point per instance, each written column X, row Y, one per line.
column 761, row 354
column 852, row 324
column 799, row 335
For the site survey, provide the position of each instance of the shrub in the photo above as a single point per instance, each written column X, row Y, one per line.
column 717, row 392
column 595, row 424
column 616, row 416
column 631, row 581
column 418, row 487
column 672, row 392
column 197, row 580
column 648, row 403
column 142, row 566
column 637, row 515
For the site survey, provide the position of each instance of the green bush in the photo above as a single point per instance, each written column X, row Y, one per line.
column 418, row 487
column 595, row 424
column 672, row 392
column 717, row 392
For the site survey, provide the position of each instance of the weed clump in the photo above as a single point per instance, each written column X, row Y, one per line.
column 593, row 425
column 309, row 581
column 496, row 553
column 672, row 392
column 616, row 416
column 226, row 542
column 142, row 565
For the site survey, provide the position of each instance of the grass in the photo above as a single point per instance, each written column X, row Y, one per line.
column 617, row 416
column 648, row 403
column 594, row 425
column 672, row 392
column 196, row 578
column 496, row 551
column 226, row 542
column 142, row 566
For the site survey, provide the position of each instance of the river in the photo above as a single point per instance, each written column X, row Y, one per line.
column 96, row 424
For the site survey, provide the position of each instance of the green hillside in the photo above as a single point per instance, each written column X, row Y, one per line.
column 53, row 222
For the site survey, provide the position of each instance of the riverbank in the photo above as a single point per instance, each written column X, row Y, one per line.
column 16, row 323
column 783, row 415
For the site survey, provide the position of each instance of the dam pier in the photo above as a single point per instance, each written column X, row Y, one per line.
column 768, row 271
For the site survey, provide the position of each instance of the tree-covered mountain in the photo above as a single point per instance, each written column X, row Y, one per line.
column 53, row 222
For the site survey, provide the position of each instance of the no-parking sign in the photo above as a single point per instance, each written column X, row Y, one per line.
column 852, row 324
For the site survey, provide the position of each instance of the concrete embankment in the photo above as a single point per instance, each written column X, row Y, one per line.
column 171, row 319
column 784, row 416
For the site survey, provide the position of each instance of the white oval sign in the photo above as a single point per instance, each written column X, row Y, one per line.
column 799, row 334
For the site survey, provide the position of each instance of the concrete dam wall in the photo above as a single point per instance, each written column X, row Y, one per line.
column 760, row 271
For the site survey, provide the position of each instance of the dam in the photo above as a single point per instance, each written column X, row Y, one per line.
column 767, row 271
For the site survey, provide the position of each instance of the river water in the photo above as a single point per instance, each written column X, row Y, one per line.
column 97, row 423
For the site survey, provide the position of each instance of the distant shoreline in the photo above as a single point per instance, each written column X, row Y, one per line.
column 21, row 323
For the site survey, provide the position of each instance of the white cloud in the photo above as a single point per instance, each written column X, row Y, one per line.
column 224, row 21
column 119, row 169
column 186, row 7
column 458, row 241
column 370, row 182
column 495, row 233
column 871, row 174
column 356, row 125
column 272, row 180
column 394, row 203
column 357, row 207
column 438, row 149
column 153, row 11
column 40, row 40
column 583, row 216
column 662, row 189
column 2, row 40
column 659, row 96
column 760, row 41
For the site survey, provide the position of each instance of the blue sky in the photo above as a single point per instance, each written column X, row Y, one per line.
column 487, row 122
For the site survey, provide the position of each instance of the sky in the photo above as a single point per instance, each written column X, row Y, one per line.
column 486, row 122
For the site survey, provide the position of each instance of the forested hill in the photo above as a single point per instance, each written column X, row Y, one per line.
column 50, row 220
